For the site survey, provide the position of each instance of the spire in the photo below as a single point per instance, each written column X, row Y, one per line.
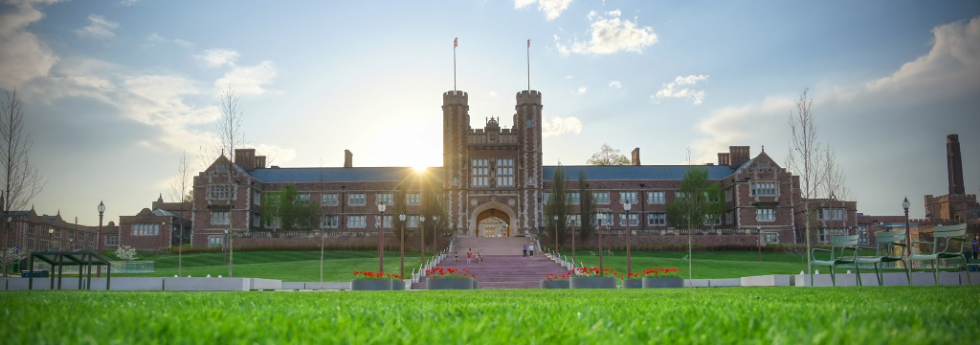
column 160, row 199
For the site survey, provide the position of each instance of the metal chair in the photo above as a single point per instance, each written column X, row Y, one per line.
column 842, row 242
column 950, row 233
column 884, row 249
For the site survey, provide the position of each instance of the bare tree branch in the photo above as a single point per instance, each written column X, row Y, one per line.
column 804, row 158
column 22, row 181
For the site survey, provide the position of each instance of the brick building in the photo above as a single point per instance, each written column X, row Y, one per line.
column 492, row 183
column 29, row 231
column 156, row 227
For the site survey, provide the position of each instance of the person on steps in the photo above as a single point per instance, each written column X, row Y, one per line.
column 456, row 257
column 525, row 250
column 530, row 249
column 479, row 258
column 469, row 255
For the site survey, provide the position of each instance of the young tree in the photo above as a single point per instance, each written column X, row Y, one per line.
column 608, row 156
column 21, row 180
column 126, row 253
column 698, row 202
column 586, row 207
column 284, row 209
column 804, row 158
column 557, row 207
column 228, row 128
column 180, row 189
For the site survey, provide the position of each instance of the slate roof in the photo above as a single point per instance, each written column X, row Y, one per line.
column 358, row 174
column 633, row 172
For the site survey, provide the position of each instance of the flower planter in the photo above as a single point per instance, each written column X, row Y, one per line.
column 632, row 283
column 370, row 284
column 554, row 284
column 398, row 284
column 656, row 283
column 450, row 284
column 592, row 283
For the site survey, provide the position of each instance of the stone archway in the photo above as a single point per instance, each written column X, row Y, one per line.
column 497, row 218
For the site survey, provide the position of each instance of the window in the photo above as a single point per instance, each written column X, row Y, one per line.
column 573, row 220
column 547, row 196
column 44, row 245
column 729, row 218
column 680, row 195
column 657, row 219
column 412, row 222
column 765, row 215
column 600, row 197
column 91, row 238
column 30, row 244
column 712, row 198
column 330, row 222
column 505, row 172
column 831, row 214
column 481, row 172
column 304, row 198
column 634, row 219
column 112, row 240
column 329, row 199
column 356, row 221
column 764, row 189
column 71, row 235
column 57, row 245
column 273, row 222
column 256, row 221
column 216, row 241
column 147, row 229
column 385, row 198
column 356, row 199
column 710, row 222
column 30, row 229
column 377, row 222
column 257, row 196
column 771, row 237
column 824, row 235
column 413, row 199
column 57, row 233
column 222, row 168
column 219, row 218
column 607, row 219
column 629, row 197
column 573, row 198
column 728, row 195
column 219, row 192
column 654, row 198
column 271, row 197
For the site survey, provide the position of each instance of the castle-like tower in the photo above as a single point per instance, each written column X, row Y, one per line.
column 492, row 172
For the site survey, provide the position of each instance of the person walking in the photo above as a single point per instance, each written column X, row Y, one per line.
column 479, row 258
column 530, row 249
column 525, row 250
column 456, row 257
column 469, row 255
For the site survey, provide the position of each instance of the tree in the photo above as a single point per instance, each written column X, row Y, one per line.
column 21, row 180
column 699, row 202
column 284, row 209
column 11, row 255
column 804, row 158
column 180, row 192
column 229, row 129
column 608, row 156
column 586, row 208
column 126, row 253
column 557, row 206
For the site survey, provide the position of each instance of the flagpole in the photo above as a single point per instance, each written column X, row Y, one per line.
column 454, row 66
column 529, row 65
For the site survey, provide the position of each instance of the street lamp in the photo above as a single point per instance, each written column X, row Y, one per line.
column 98, row 269
column 601, row 217
column 50, row 239
column 401, row 218
column 381, row 238
column 629, row 259
column 556, row 233
column 908, row 231
column 422, row 233
column 435, row 223
column 758, row 230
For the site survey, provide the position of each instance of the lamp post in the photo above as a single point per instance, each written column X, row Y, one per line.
column 629, row 259
column 758, row 231
column 422, row 233
column 50, row 239
column 601, row 217
column 98, row 269
column 401, row 218
column 435, row 223
column 381, row 238
column 908, row 231
column 556, row 233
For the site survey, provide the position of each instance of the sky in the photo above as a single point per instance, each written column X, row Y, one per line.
column 115, row 92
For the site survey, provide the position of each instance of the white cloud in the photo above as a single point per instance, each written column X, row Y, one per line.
column 591, row 15
column 128, row 2
column 611, row 35
column 616, row 84
column 563, row 49
column 493, row 94
column 580, row 91
column 218, row 57
column 98, row 27
column 614, row 13
column 248, row 80
column 551, row 8
column 23, row 56
column 676, row 89
column 559, row 126
column 569, row 77
column 155, row 39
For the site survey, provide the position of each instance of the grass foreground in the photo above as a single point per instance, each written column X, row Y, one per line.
column 788, row 315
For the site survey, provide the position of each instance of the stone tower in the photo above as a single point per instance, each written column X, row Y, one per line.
column 954, row 164
column 455, row 126
column 527, row 122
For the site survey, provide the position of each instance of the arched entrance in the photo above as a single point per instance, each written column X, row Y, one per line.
column 492, row 223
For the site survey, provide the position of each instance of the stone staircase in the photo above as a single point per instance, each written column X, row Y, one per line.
column 503, row 265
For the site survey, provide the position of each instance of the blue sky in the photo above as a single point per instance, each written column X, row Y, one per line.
column 114, row 91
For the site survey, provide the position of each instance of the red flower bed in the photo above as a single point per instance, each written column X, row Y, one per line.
column 595, row 272
column 440, row 272
column 558, row 277
column 368, row 275
column 656, row 273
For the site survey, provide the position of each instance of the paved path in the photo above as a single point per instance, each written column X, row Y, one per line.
column 500, row 270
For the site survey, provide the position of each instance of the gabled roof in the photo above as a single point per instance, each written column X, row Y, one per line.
column 165, row 213
column 359, row 174
column 636, row 172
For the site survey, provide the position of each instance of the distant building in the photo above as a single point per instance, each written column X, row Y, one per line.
column 157, row 228
column 957, row 205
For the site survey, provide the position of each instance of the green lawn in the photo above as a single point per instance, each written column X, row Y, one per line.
column 706, row 264
column 788, row 315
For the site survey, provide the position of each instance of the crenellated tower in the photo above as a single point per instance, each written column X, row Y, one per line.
column 527, row 123
column 455, row 126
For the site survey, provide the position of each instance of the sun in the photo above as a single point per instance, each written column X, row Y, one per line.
column 419, row 169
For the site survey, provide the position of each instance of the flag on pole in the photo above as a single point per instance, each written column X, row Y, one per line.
column 528, row 42
column 456, row 42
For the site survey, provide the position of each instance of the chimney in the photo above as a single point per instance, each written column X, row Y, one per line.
column 259, row 162
column 245, row 158
column 954, row 165
column 348, row 159
column 738, row 155
column 636, row 156
column 723, row 158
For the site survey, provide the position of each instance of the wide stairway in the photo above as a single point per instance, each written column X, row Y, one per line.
column 503, row 265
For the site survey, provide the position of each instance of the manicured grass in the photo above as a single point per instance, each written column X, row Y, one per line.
column 789, row 315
